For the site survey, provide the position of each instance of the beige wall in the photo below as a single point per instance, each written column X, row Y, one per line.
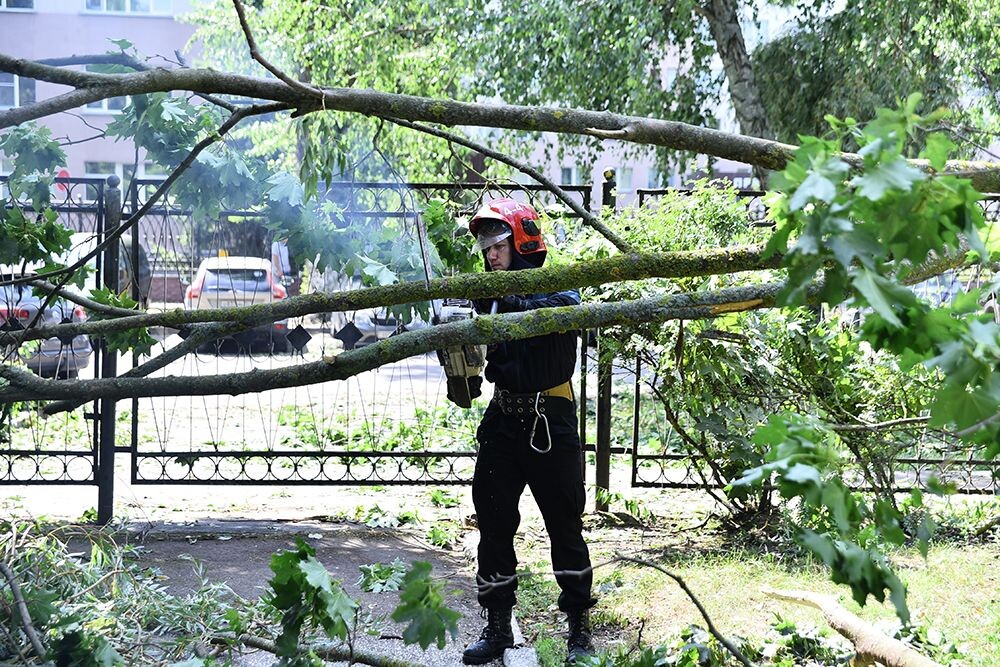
column 63, row 27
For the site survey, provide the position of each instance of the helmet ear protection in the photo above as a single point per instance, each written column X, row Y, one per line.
column 522, row 221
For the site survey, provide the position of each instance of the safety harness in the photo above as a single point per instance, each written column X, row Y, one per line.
column 525, row 405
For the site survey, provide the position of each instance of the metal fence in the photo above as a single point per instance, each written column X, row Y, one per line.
column 62, row 449
column 929, row 454
column 390, row 426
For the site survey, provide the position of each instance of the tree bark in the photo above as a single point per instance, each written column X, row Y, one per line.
column 870, row 644
column 633, row 266
column 90, row 87
column 25, row 386
column 724, row 22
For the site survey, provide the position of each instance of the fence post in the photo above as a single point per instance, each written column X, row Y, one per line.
column 109, row 361
column 602, row 468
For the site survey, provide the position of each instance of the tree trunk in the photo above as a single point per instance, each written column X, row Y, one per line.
column 723, row 19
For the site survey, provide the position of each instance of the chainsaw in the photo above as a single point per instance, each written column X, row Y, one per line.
column 463, row 364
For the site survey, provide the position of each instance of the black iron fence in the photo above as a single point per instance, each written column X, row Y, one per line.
column 390, row 426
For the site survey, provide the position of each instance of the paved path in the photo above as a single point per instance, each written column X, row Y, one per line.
column 238, row 553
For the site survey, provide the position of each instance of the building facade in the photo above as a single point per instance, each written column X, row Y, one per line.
column 37, row 29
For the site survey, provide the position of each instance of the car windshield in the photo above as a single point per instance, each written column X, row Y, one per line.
column 237, row 280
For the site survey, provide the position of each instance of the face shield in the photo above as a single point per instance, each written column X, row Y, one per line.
column 490, row 232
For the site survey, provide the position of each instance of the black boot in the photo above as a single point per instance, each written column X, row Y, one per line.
column 578, row 643
column 494, row 640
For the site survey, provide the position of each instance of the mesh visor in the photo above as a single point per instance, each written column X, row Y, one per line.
column 490, row 232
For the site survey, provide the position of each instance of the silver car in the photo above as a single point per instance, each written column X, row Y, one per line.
column 62, row 357
column 51, row 357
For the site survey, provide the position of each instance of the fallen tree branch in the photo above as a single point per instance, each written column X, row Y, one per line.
column 329, row 653
column 988, row 526
column 22, row 611
column 25, row 385
column 634, row 266
column 589, row 218
column 697, row 603
column 869, row 643
column 90, row 87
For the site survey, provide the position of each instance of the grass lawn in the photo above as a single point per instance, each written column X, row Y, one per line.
column 955, row 591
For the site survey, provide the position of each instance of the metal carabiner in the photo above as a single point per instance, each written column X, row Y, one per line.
column 534, row 425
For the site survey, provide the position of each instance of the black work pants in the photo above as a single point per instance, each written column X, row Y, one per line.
column 505, row 465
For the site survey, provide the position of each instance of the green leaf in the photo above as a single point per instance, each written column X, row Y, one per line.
column 287, row 188
column 122, row 44
column 816, row 186
column 896, row 174
column 422, row 606
column 937, row 150
column 880, row 294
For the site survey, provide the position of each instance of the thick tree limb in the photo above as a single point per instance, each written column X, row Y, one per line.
column 589, row 218
column 345, row 654
column 870, row 644
column 634, row 266
column 25, row 385
column 22, row 611
column 985, row 176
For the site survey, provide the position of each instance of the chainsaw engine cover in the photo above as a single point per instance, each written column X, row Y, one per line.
column 461, row 362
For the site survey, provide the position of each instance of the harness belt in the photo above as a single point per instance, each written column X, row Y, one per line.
column 526, row 405
column 512, row 404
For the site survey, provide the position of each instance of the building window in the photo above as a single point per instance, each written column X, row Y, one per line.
column 16, row 91
column 567, row 176
column 17, row 4
column 149, row 7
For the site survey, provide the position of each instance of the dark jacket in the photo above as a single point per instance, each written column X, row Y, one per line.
column 532, row 364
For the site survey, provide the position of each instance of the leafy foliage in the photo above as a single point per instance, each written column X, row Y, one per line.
column 800, row 455
column 422, row 605
column 379, row 577
column 870, row 54
column 443, row 533
column 306, row 595
column 138, row 340
column 25, row 237
column 865, row 232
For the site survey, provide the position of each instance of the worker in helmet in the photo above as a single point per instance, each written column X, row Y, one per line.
column 528, row 437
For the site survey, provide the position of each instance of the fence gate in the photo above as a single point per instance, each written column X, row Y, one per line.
column 390, row 426
column 64, row 448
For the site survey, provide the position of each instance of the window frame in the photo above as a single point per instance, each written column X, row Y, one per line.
column 129, row 10
column 5, row 8
column 18, row 84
